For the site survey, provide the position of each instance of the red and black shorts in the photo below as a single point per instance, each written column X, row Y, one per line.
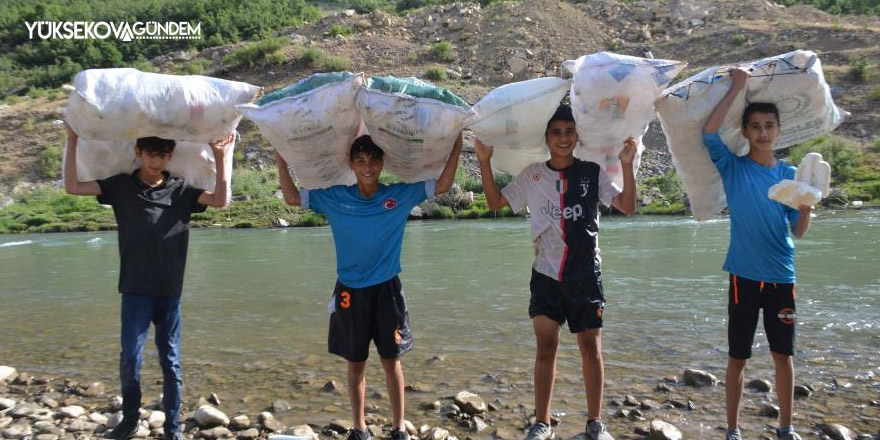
column 580, row 302
column 376, row 313
column 745, row 300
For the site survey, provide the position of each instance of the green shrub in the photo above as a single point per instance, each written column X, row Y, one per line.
column 255, row 53
column 195, row 67
column 338, row 29
column 442, row 50
column 335, row 63
column 858, row 71
column 254, row 185
column 309, row 218
column 36, row 93
column 874, row 95
column 310, row 56
column 436, row 73
column 50, row 161
column 28, row 125
column 739, row 40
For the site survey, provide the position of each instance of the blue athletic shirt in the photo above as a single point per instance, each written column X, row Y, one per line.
column 367, row 233
column 761, row 248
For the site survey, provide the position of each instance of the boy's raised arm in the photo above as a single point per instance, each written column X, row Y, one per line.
column 447, row 177
column 288, row 188
column 625, row 202
column 494, row 198
column 218, row 197
column 738, row 79
column 71, row 181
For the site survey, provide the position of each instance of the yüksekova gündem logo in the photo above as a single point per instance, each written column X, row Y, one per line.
column 123, row 31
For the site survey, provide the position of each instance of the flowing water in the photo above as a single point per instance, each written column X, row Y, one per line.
column 255, row 320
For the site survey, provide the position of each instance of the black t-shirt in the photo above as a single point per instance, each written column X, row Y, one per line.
column 153, row 231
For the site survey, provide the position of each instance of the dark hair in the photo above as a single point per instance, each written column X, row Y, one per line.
column 563, row 113
column 759, row 107
column 153, row 144
column 365, row 145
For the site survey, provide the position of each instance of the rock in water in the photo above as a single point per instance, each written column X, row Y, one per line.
column 837, row 432
column 208, row 417
column 769, row 410
column 699, row 378
column 661, row 430
column 760, row 385
column 472, row 403
column 7, row 374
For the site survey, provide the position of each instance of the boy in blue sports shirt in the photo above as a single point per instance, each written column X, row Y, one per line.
column 760, row 258
column 368, row 222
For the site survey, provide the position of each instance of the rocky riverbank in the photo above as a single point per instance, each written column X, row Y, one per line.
column 38, row 407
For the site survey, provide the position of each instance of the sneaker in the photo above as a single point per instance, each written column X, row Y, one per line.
column 788, row 434
column 540, row 431
column 596, row 430
column 357, row 434
column 125, row 430
column 398, row 434
column 733, row 434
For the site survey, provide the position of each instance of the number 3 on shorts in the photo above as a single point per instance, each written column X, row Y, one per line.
column 345, row 300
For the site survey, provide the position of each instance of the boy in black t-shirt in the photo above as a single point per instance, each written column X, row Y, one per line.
column 152, row 210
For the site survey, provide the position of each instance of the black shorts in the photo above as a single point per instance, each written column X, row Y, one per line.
column 376, row 313
column 745, row 299
column 580, row 302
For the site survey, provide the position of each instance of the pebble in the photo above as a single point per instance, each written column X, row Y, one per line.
column 73, row 411
column 6, row 404
column 699, row 378
column 240, row 422
column 280, row 406
column 837, row 432
column 802, row 392
column 661, row 430
column 769, row 410
column 270, row 423
column 216, row 433
column 760, row 385
column 208, row 417
column 95, row 389
column 98, row 418
column 156, row 419
column 472, row 403
column 249, row 434
column 7, row 374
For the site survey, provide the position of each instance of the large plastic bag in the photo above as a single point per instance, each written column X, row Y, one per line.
column 612, row 98
column 415, row 122
column 793, row 81
column 312, row 123
column 110, row 108
column 125, row 104
column 513, row 118
column 191, row 160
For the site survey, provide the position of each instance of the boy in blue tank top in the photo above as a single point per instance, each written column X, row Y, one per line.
column 367, row 221
column 760, row 258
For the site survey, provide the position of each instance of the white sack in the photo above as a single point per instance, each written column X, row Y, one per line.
column 794, row 81
column 513, row 118
column 612, row 98
column 313, row 130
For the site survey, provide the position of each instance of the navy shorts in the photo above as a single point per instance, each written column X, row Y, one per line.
column 376, row 313
column 580, row 302
column 746, row 298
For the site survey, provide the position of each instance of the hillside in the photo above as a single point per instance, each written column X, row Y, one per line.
column 491, row 46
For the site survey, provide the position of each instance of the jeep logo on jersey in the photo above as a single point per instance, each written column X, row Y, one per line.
column 389, row 203
column 787, row 316
column 569, row 212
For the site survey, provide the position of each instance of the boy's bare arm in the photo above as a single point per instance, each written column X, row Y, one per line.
column 494, row 198
column 288, row 188
column 218, row 198
column 803, row 224
column 738, row 79
column 447, row 177
column 71, row 180
column 625, row 202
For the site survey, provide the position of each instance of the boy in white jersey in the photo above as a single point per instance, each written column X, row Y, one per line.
column 563, row 195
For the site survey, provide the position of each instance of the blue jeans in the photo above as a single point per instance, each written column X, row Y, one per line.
column 138, row 311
